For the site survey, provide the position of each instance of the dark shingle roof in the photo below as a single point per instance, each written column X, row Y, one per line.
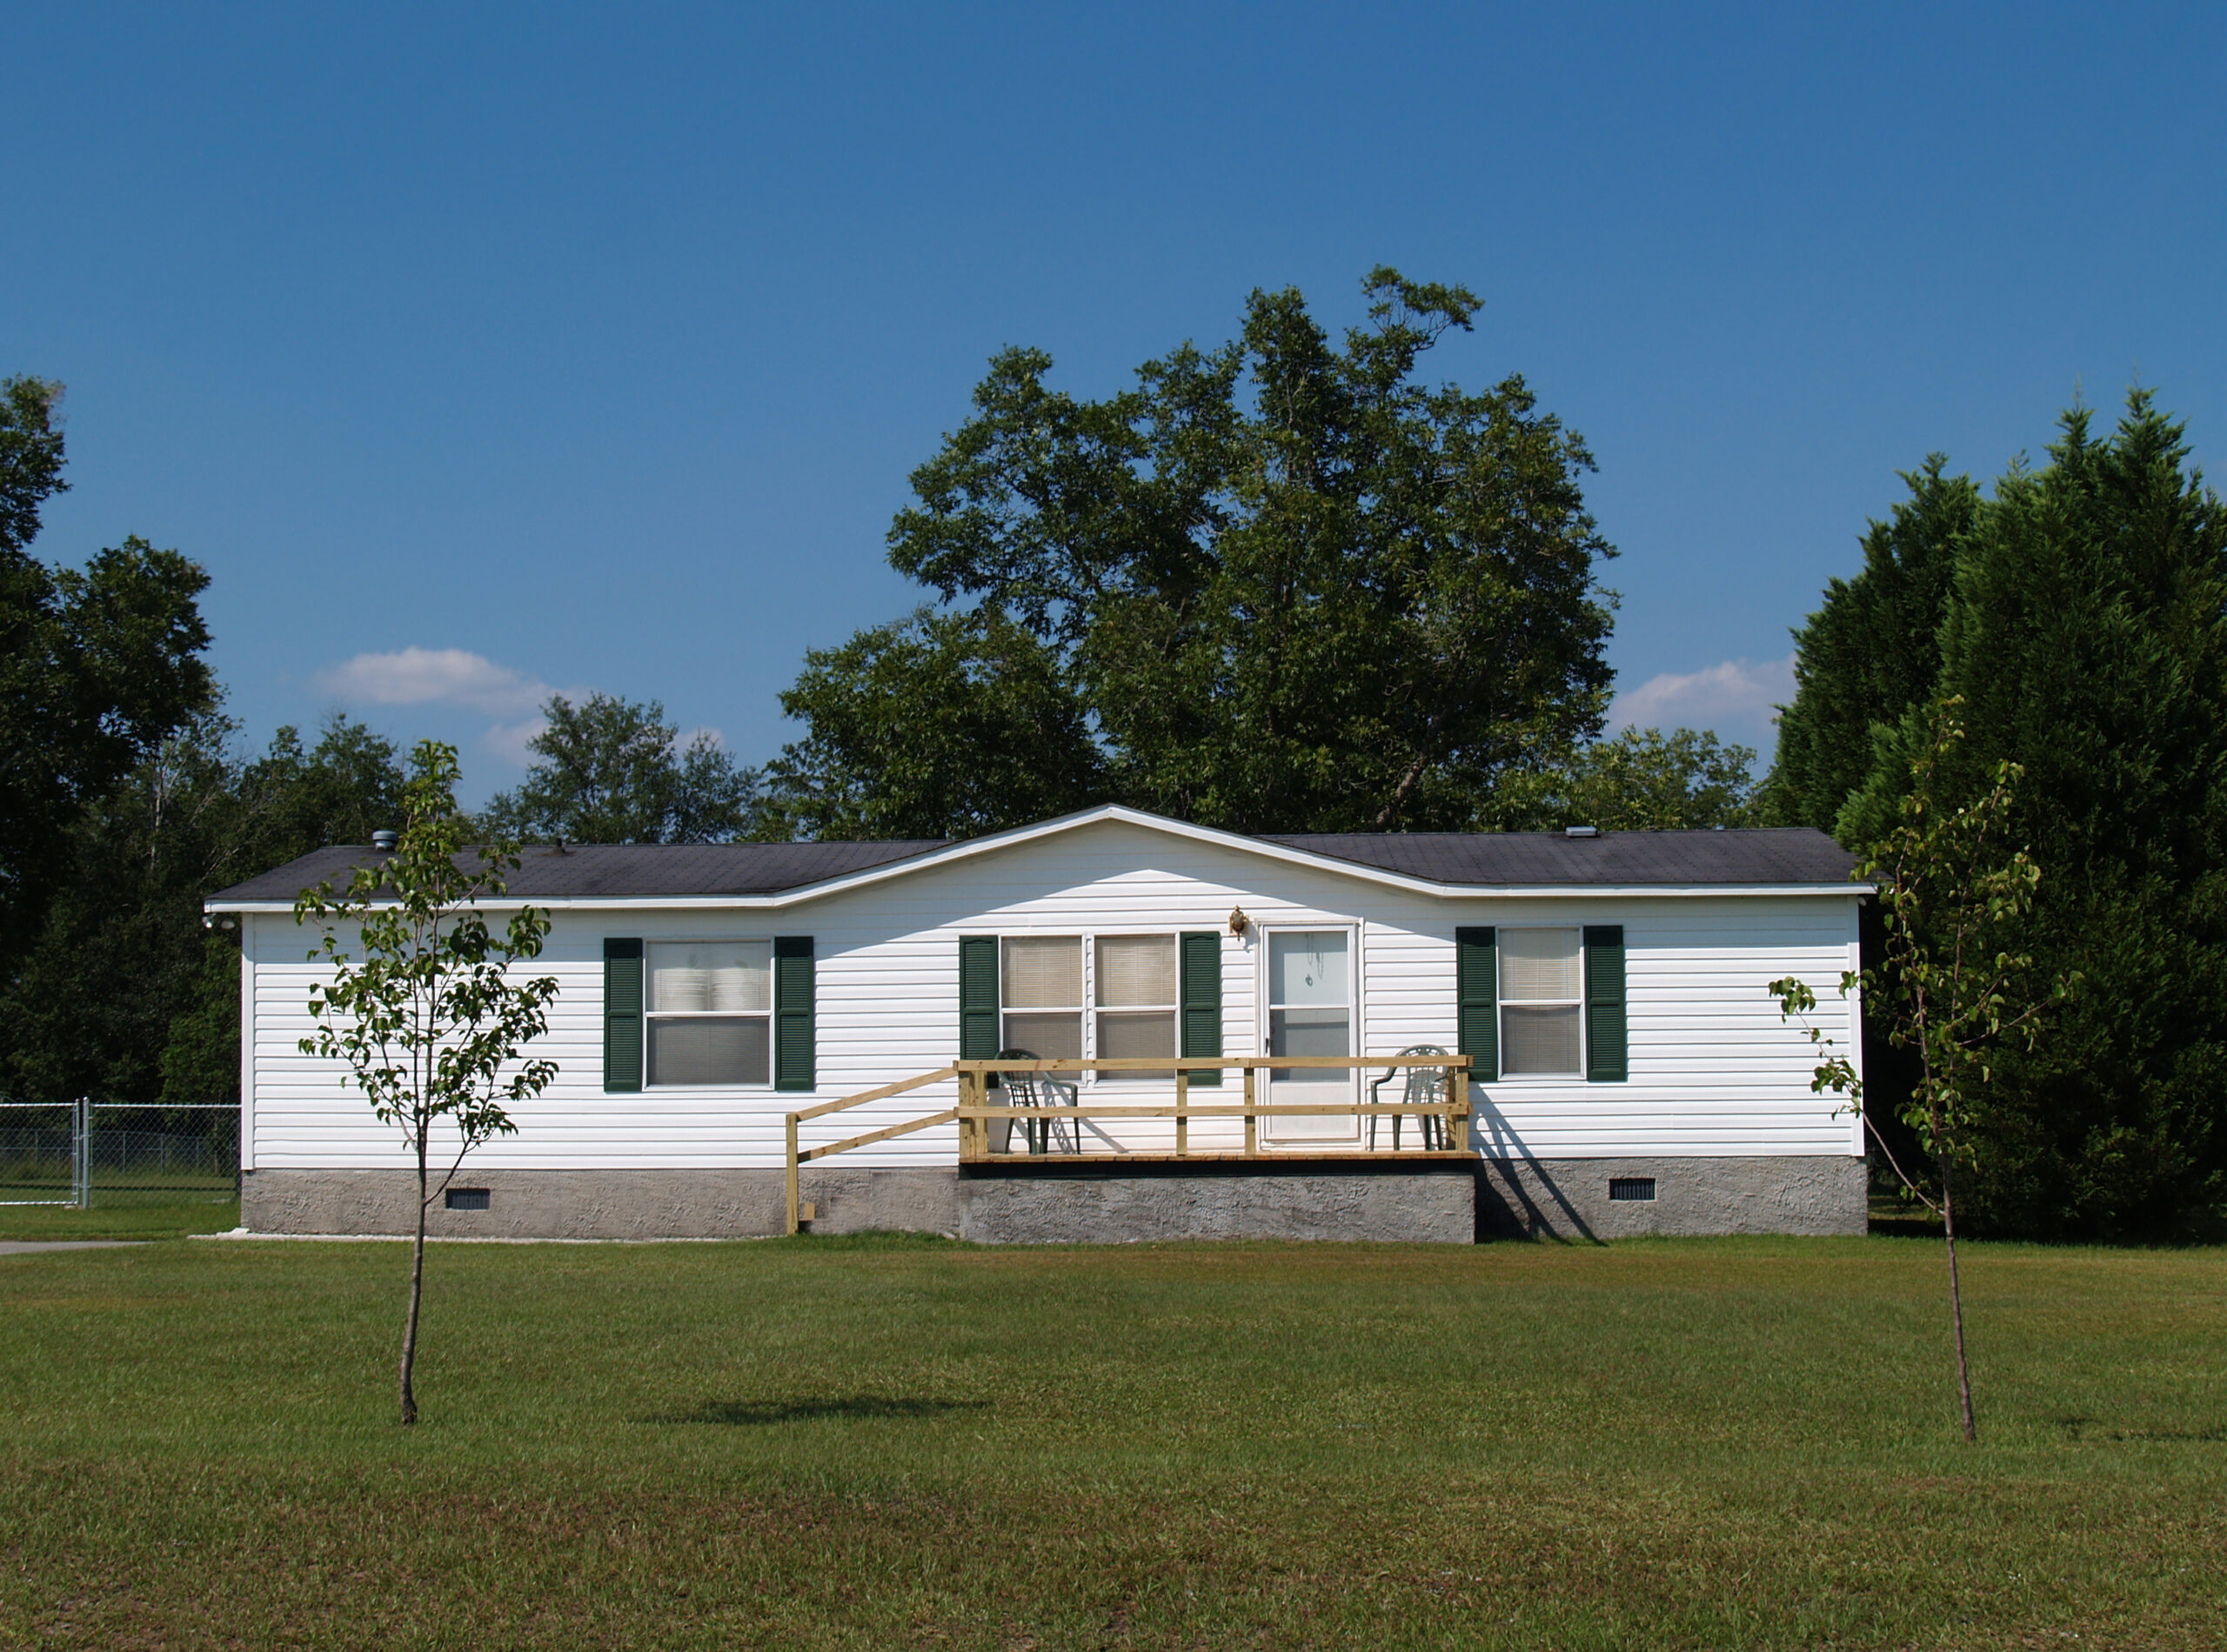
column 609, row 869
column 1508, row 859
column 1754, row 855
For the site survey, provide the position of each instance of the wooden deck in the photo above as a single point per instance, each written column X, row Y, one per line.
column 975, row 1114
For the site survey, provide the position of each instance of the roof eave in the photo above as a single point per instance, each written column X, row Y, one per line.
column 953, row 853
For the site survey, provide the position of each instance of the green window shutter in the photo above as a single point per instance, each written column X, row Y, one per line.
column 622, row 1017
column 794, row 1035
column 1476, row 991
column 978, row 997
column 1608, row 1055
column 1201, row 1014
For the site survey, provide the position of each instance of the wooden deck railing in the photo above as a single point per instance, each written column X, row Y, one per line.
column 975, row 1110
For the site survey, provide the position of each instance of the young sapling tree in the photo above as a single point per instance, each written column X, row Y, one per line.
column 1948, row 986
column 421, row 1005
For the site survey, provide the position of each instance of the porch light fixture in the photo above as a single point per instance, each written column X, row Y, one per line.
column 1238, row 923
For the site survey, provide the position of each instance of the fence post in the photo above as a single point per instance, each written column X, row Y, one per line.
column 84, row 1166
column 791, row 1177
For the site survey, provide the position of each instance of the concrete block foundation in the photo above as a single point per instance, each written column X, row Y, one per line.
column 1053, row 1203
column 1573, row 1198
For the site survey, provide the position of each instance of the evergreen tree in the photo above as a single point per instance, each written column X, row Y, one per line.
column 1870, row 653
column 2087, row 637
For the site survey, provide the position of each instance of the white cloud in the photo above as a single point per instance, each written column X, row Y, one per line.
column 1736, row 698
column 416, row 676
column 453, row 676
column 513, row 742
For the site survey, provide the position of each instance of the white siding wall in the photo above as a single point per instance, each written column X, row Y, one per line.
column 1713, row 1070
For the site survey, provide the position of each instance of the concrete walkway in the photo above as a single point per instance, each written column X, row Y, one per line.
column 26, row 1247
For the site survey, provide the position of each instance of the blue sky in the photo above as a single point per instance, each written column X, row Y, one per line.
column 483, row 351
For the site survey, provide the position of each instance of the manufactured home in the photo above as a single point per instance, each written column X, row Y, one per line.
column 1118, row 1026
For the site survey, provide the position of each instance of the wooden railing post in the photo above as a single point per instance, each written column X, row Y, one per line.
column 1252, row 1124
column 1183, row 1114
column 791, row 1177
column 1460, row 1091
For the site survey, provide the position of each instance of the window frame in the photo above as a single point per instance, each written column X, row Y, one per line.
column 1082, row 1009
column 650, row 1014
column 1090, row 1008
column 1502, row 1003
column 1172, row 1011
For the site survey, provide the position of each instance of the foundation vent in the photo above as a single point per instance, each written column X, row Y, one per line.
column 1631, row 1186
column 475, row 1198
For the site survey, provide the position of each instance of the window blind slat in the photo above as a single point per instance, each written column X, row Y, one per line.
column 1043, row 971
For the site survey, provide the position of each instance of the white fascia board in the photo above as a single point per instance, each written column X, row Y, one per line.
column 1211, row 835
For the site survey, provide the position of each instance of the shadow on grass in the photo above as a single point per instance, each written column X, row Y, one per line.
column 763, row 1413
column 2081, row 1427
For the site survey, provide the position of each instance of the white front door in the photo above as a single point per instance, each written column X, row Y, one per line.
column 1308, row 1004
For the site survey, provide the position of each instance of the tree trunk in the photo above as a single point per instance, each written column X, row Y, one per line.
column 1957, row 1299
column 418, row 1290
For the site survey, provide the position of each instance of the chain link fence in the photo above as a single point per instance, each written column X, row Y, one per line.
column 88, row 1152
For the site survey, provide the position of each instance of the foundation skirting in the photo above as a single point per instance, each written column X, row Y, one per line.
column 1436, row 1202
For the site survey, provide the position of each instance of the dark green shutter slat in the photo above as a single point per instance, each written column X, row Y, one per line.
column 1200, row 959
column 1607, row 1036
column 1476, row 989
column 622, row 1016
column 794, row 1035
column 978, row 997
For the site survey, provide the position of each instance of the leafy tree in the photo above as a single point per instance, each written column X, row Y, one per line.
column 1277, row 584
column 2086, row 636
column 428, row 1018
column 120, row 993
column 200, row 1060
column 86, row 1008
column 282, row 805
column 31, row 458
column 941, row 726
column 1871, row 653
column 613, row 772
column 98, row 666
column 1948, row 986
column 293, row 799
column 1638, row 780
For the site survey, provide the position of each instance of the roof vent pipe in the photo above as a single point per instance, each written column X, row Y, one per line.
column 1581, row 832
column 386, row 841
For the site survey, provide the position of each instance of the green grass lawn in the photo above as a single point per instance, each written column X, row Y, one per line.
column 150, row 1215
column 827, row 1444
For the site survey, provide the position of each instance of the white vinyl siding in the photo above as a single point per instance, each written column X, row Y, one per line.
column 1714, row 1070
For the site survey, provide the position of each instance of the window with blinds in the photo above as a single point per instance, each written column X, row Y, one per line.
column 1041, row 988
column 1137, row 987
column 709, row 1012
column 1131, row 1000
column 1542, row 1002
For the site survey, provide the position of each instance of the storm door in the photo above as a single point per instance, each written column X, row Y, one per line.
column 1309, row 1004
